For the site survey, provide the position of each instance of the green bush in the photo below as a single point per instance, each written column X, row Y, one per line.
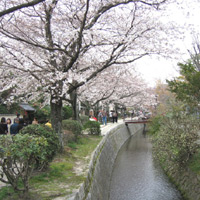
column 93, row 127
column 18, row 156
column 176, row 141
column 13, row 108
column 51, row 137
column 194, row 162
column 67, row 112
column 155, row 125
column 3, row 109
column 84, row 119
column 42, row 114
column 74, row 126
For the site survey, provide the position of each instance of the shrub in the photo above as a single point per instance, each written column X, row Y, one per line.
column 93, row 127
column 74, row 126
column 51, row 137
column 67, row 112
column 42, row 114
column 18, row 156
column 176, row 141
column 155, row 125
column 3, row 109
column 84, row 119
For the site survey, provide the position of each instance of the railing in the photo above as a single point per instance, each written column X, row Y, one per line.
column 136, row 122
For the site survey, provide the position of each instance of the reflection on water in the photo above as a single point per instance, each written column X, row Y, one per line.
column 137, row 177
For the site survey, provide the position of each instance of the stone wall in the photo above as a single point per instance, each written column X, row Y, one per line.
column 96, row 186
column 187, row 181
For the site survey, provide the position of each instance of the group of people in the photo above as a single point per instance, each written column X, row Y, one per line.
column 48, row 123
column 114, row 117
column 7, row 128
column 102, row 117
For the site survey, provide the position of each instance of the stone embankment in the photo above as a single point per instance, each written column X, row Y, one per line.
column 97, row 182
column 187, row 181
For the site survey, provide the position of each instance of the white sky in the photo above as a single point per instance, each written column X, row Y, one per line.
column 185, row 14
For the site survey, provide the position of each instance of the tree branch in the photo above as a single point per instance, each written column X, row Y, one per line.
column 104, row 97
column 15, row 8
column 104, row 9
column 14, row 37
column 79, row 39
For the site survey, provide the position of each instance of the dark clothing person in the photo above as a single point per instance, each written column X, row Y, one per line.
column 115, row 117
column 3, row 129
column 132, row 114
column 21, row 123
column 14, row 129
column 3, row 126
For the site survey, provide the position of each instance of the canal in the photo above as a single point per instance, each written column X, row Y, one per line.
column 137, row 177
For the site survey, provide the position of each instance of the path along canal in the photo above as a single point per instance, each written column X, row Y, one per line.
column 137, row 177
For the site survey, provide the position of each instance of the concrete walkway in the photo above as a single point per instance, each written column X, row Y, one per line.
column 106, row 128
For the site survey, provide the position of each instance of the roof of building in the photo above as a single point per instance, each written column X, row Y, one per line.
column 26, row 107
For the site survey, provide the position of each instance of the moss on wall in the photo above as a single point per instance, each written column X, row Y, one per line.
column 97, row 183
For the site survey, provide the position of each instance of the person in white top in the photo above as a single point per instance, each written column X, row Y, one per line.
column 9, row 122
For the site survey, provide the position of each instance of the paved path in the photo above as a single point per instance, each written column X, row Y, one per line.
column 106, row 128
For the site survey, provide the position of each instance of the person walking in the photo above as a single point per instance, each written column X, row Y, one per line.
column 104, row 118
column 132, row 114
column 124, row 116
column 111, row 116
column 100, row 117
column 3, row 126
column 115, row 117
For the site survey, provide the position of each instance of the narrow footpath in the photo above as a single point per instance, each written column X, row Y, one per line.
column 110, row 125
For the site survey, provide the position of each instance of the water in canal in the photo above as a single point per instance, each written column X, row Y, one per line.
column 137, row 177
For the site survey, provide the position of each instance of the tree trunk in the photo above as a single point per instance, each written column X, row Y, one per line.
column 56, row 119
column 73, row 98
column 96, row 110
column 116, row 107
column 87, row 108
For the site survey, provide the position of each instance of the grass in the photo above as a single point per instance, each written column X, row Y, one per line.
column 61, row 178
column 5, row 191
column 194, row 164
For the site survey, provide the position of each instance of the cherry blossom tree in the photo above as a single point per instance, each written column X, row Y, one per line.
column 51, row 49
column 120, row 86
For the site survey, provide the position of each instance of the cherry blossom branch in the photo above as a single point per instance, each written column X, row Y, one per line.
column 104, row 9
column 15, row 37
column 79, row 39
